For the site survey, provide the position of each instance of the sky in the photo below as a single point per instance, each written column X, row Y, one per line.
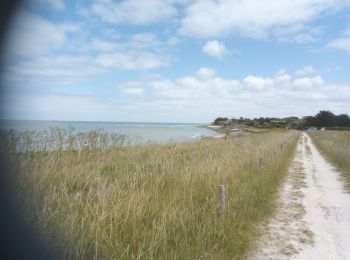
column 176, row 60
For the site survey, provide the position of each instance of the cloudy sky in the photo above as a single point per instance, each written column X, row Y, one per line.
column 176, row 60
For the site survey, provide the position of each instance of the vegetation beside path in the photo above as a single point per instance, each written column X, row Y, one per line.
column 335, row 145
column 154, row 201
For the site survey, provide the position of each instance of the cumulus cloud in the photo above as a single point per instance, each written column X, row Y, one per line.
column 215, row 49
column 33, row 35
column 200, row 97
column 252, row 18
column 60, row 69
column 131, row 60
column 101, row 46
column 68, row 69
column 205, row 73
column 340, row 44
column 133, row 11
column 144, row 40
column 308, row 82
column 41, row 51
column 257, row 83
column 205, row 95
column 308, row 70
column 282, row 77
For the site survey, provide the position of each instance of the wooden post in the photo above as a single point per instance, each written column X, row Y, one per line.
column 222, row 199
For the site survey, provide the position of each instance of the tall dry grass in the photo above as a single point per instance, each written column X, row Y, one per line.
column 335, row 145
column 61, row 139
column 154, row 201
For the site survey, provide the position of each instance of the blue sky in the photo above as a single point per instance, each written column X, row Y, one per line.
column 176, row 60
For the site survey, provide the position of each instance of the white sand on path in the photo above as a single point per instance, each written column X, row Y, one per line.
column 313, row 218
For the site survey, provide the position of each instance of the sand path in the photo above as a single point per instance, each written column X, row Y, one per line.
column 313, row 219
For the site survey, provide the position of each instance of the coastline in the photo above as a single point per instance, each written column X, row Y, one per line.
column 223, row 131
column 216, row 128
column 220, row 131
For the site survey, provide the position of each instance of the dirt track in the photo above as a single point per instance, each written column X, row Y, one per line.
column 313, row 219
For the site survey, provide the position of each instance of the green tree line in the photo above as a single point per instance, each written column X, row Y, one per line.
column 322, row 119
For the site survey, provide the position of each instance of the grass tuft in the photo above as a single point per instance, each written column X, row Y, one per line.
column 335, row 145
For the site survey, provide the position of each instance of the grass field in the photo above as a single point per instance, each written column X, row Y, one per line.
column 335, row 145
column 154, row 201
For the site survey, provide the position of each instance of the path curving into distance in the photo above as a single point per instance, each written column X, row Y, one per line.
column 313, row 218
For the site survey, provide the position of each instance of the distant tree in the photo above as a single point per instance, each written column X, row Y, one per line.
column 325, row 118
column 308, row 121
column 342, row 120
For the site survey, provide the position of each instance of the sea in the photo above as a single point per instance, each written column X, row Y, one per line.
column 143, row 132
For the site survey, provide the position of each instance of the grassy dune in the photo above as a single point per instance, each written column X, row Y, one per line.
column 335, row 145
column 154, row 201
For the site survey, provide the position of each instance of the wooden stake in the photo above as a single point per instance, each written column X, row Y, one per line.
column 222, row 199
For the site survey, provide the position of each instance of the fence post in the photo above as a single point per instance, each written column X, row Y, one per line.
column 222, row 199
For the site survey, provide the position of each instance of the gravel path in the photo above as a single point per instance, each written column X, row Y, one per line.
column 313, row 218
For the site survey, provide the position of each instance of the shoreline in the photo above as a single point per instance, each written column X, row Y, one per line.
column 220, row 133
column 223, row 131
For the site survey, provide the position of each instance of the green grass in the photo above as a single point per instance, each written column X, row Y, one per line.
column 154, row 201
column 335, row 145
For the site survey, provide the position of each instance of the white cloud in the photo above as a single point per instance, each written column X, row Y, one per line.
column 298, row 33
column 308, row 70
column 340, row 44
column 102, row 45
column 194, row 98
column 173, row 40
column 133, row 11
column 144, row 40
column 304, row 38
column 282, row 77
column 68, row 69
column 250, row 17
column 134, row 91
column 39, row 51
column 132, row 88
column 257, row 83
column 33, row 35
column 204, row 96
column 215, row 49
column 131, row 60
column 307, row 82
column 205, row 73
column 60, row 69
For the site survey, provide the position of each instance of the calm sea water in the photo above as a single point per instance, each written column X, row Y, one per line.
column 144, row 132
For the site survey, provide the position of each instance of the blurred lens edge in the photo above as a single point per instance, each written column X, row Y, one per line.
column 17, row 240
